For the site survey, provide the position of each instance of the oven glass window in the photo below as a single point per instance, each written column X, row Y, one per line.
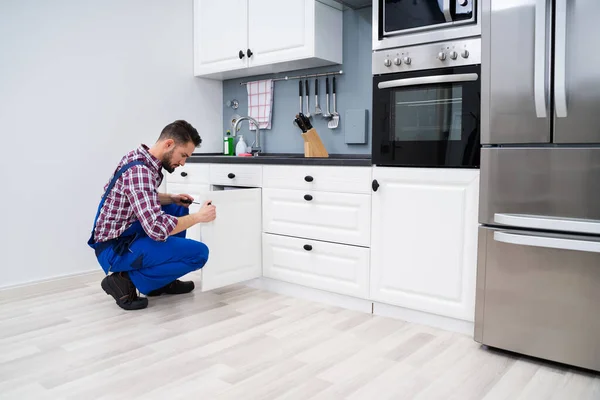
column 430, row 113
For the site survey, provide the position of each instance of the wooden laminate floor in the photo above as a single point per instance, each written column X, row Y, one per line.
column 68, row 340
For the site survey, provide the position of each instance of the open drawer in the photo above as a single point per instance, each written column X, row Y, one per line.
column 233, row 238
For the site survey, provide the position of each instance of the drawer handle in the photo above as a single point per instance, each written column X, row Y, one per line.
column 308, row 178
column 308, row 197
column 307, row 247
column 231, row 176
column 184, row 174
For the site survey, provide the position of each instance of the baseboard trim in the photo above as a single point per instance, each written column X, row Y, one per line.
column 423, row 318
column 306, row 293
column 54, row 283
column 362, row 305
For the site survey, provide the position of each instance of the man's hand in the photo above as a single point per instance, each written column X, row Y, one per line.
column 181, row 199
column 207, row 212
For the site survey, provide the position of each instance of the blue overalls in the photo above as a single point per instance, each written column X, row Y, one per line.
column 150, row 264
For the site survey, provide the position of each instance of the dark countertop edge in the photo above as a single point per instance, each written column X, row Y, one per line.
column 362, row 160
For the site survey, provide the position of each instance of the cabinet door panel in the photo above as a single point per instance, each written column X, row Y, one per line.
column 220, row 32
column 294, row 24
column 424, row 240
column 233, row 238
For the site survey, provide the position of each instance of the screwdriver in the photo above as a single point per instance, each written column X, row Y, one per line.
column 188, row 201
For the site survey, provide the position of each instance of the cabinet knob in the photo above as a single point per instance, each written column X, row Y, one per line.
column 184, row 174
column 231, row 176
column 308, row 197
column 307, row 247
column 241, row 54
column 249, row 53
column 375, row 185
column 308, row 178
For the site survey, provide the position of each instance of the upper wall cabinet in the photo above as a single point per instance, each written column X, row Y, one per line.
column 236, row 38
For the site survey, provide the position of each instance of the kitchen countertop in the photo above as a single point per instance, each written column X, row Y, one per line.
column 285, row 159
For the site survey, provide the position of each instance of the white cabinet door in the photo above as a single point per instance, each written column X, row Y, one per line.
column 220, row 33
column 233, row 238
column 333, row 217
column 424, row 240
column 280, row 30
column 320, row 265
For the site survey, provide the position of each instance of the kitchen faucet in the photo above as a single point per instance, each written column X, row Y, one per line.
column 256, row 145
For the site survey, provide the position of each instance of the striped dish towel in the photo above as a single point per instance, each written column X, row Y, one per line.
column 260, row 102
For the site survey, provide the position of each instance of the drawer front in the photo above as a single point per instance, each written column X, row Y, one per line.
column 324, row 179
column 326, row 266
column 189, row 173
column 334, row 217
column 236, row 175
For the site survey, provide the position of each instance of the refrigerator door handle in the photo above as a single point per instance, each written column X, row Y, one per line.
column 547, row 242
column 549, row 223
column 560, row 60
column 540, row 92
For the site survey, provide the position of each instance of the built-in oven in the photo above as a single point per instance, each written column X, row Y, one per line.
column 426, row 106
column 405, row 22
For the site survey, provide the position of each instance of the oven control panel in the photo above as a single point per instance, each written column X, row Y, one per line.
column 428, row 56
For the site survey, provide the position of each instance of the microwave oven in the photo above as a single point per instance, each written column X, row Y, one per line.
column 398, row 23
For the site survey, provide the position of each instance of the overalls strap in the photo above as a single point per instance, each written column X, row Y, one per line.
column 108, row 189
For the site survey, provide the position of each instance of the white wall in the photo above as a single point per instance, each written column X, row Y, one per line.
column 81, row 83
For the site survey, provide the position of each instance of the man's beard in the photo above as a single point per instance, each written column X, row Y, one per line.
column 167, row 162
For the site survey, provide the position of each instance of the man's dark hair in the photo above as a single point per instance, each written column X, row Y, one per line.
column 181, row 132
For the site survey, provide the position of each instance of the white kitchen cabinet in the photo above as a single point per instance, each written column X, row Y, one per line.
column 326, row 266
column 235, row 38
column 424, row 240
column 233, row 238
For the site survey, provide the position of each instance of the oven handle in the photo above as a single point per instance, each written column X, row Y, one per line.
column 548, row 242
column 427, row 80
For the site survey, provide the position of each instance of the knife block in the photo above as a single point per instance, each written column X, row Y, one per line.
column 313, row 146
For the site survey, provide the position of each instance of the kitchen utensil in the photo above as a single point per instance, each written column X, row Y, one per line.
column 335, row 120
column 300, row 94
column 305, row 121
column 318, row 110
column 307, row 113
column 327, row 114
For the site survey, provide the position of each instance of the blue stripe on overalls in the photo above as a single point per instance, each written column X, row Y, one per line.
column 150, row 264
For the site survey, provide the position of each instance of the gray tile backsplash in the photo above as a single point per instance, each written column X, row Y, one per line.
column 354, row 93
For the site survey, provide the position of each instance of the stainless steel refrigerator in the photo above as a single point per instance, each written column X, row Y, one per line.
column 538, row 276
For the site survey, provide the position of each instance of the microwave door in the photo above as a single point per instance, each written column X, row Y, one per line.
column 577, row 80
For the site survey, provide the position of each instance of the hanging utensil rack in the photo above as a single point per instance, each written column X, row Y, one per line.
column 289, row 78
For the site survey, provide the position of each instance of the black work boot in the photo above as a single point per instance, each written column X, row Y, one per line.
column 120, row 287
column 175, row 287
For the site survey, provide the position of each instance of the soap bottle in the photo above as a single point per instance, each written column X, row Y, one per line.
column 228, row 147
column 241, row 146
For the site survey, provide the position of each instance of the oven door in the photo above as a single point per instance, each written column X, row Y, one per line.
column 427, row 118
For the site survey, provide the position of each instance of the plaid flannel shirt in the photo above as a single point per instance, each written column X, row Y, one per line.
column 135, row 197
